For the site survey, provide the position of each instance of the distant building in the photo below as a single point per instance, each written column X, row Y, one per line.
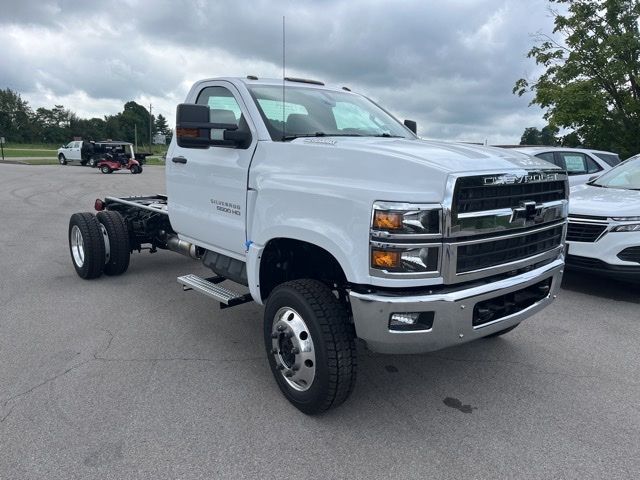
column 159, row 139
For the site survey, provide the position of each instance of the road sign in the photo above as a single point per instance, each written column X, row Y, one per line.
column 1, row 139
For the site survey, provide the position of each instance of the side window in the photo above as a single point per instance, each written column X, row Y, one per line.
column 548, row 156
column 223, row 105
column 592, row 165
column 576, row 163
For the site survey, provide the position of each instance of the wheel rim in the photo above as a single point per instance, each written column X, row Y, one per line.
column 61, row 160
column 77, row 246
column 292, row 348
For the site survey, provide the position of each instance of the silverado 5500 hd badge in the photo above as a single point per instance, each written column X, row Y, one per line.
column 227, row 207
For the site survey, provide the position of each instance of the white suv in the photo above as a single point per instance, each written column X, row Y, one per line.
column 580, row 163
column 603, row 235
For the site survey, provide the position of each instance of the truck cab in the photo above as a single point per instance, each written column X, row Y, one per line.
column 345, row 225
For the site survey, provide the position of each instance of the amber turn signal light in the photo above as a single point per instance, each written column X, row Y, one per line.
column 385, row 220
column 187, row 132
column 385, row 259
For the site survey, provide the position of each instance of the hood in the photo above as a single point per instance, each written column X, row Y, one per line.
column 604, row 202
column 447, row 157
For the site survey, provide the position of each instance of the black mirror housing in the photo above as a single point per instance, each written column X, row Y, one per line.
column 193, row 129
column 411, row 125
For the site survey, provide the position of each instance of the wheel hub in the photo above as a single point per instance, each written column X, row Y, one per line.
column 293, row 349
column 77, row 246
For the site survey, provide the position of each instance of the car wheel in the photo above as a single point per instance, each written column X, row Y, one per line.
column 105, row 169
column 93, row 162
column 118, row 233
column 62, row 160
column 86, row 245
column 310, row 345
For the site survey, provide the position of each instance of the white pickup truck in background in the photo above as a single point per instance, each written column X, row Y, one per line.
column 343, row 224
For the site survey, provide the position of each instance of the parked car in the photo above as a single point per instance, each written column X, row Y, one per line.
column 580, row 163
column 91, row 153
column 603, row 235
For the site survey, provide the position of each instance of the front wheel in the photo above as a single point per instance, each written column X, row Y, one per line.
column 93, row 162
column 105, row 169
column 62, row 160
column 310, row 345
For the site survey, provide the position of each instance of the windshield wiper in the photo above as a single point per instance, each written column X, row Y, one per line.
column 387, row 135
column 319, row 134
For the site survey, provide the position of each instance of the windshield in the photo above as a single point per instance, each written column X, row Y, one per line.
column 310, row 112
column 626, row 175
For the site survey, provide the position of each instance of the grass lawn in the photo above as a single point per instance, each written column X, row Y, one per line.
column 13, row 152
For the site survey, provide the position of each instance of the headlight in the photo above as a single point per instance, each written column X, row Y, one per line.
column 406, row 219
column 634, row 227
column 406, row 260
column 405, row 239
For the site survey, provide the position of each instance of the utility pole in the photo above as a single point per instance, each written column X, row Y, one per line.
column 135, row 135
column 150, row 125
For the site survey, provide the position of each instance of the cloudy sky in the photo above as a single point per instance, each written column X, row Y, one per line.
column 449, row 65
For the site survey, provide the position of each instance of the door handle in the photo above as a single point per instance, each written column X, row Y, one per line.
column 179, row 160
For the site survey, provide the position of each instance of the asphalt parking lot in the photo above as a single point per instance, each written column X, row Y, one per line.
column 130, row 377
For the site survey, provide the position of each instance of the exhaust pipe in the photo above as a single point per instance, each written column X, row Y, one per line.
column 183, row 248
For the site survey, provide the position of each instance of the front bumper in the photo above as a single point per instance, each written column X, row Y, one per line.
column 453, row 313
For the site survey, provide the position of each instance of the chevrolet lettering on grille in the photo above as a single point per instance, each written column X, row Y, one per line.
column 510, row 178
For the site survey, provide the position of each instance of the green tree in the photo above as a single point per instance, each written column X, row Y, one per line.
column 591, row 82
column 16, row 118
column 162, row 126
column 530, row 136
column 546, row 136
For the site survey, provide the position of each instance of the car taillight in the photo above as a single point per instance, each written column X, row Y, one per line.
column 98, row 205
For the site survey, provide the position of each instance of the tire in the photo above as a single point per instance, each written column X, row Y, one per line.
column 502, row 332
column 118, row 233
column 134, row 169
column 86, row 245
column 105, row 169
column 93, row 162
column 62, row 160
column 305, row 315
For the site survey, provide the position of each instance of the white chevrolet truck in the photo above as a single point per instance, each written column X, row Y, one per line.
column 343, row 224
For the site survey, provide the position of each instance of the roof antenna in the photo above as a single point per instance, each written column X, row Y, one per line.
column 283, row 82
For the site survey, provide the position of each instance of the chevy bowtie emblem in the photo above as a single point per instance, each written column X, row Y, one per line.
column 528, row 211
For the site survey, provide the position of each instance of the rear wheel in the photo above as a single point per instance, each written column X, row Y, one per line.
column 135, row 169
column 62, row 159
column 93, row 162
column 310, row 345
column 119, row 251
column 86, row 245
column 105, row 169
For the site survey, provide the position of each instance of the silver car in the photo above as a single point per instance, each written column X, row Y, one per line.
column 580, row 163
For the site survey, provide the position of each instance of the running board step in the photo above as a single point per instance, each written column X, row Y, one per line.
column 209, row 287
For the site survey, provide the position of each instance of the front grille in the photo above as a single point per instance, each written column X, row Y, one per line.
column 631, row 254
column 504, row 250
column 584, row 232
column 470, row 197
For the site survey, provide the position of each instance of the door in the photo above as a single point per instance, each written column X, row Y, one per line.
column 207, row 187
column 579, row 167
column 74, row 151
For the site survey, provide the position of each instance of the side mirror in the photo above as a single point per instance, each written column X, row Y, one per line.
column 592, row 178
column 194, row 129
column 411, row 125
